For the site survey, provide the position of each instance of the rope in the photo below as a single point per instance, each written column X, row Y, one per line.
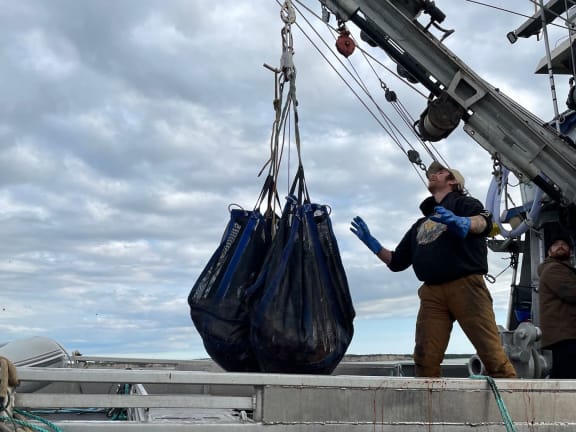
column 8, row 377
column 524, row 15
column 285, row 109
column 285, row 73
column 508, row 423
column 27, row 426
column 387, row 124
column 355, row 76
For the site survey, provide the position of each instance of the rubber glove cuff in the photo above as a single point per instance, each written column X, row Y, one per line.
column 361, row 230
column 373, row 244
column 459, row 225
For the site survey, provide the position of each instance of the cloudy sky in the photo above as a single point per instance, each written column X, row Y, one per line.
column 128, row 127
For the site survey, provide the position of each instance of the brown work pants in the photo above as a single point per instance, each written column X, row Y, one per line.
column 468, row 301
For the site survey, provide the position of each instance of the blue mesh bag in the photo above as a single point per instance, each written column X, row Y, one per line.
column 217, row 300
column 301, row 310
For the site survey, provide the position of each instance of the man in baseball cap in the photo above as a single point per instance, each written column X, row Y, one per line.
column 446, row 248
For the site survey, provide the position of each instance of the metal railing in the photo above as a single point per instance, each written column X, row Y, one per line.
column 171, row 400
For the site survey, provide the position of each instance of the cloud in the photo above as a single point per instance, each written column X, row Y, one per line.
column 128, row 128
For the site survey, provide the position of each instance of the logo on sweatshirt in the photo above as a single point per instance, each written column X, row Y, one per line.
column 429, row 231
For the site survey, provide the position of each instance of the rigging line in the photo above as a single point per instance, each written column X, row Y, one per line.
column 398, row 107
column 404, row 112
column 400, row 110
column 520, row 109
column 551, row 12
column 296, row 126
column 287, row 129
column 395, row 129
column 407, row 118
column 356, row 75
column 514, row 106
column 521, row 14
column 277, row 104
column 385, row 117
column 279, row 150
column 276, row 150
column 348, row 85
column 398, row 144
column 366, row 56
column 391, row 124
column 391, row 71
column 281, row 127
column 404, row 115
column 409, row 122
column 570, row 34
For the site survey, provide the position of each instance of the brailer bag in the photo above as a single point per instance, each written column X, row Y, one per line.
column 217, row 300
column 302, row 312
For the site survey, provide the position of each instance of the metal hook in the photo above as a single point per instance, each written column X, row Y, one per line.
column 287, row 13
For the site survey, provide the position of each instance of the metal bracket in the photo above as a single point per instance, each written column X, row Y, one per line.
column 343, row 9
column 464, row 90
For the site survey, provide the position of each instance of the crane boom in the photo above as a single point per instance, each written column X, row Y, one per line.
column 529, row 147
column 534, row 151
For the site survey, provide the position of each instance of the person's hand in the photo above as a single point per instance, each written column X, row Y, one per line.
column 361, row 230
column 459, row 225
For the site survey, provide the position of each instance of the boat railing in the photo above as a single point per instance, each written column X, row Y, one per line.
column 164, row 400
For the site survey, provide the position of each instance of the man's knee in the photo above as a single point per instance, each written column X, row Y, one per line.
column 427, row 362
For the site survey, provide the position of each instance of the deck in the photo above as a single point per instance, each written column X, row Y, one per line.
column 193, row 396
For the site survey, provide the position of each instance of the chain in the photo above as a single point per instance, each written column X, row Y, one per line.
column 497, row 171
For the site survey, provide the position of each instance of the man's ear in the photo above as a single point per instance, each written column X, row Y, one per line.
column 455, row 186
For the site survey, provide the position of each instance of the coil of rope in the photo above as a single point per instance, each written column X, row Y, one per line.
column 13, row 419
column 8, row 379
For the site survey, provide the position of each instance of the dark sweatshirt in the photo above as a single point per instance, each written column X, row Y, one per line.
column 438, row 255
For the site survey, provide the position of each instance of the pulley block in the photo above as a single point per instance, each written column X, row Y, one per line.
column 345, row 44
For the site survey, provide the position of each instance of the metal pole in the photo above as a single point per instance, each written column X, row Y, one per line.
column 549, row 63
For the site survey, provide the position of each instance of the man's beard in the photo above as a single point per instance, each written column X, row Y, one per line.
column 562, row 255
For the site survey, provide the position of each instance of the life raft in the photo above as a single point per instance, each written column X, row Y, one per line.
column 37, row 351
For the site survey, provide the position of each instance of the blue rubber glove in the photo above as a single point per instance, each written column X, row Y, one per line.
column 459, row 225
column 361, row 230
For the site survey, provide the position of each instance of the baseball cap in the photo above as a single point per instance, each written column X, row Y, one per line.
column 557, row 236
column 437, row 166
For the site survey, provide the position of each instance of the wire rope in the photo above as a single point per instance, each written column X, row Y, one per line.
column 384, row 120
column 535, row 2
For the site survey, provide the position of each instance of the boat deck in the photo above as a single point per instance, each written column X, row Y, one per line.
column 178, row 396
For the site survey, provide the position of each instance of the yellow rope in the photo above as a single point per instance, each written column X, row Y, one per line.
column 8, row 377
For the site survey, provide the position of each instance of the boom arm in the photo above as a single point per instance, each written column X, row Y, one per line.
column 522, row 141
